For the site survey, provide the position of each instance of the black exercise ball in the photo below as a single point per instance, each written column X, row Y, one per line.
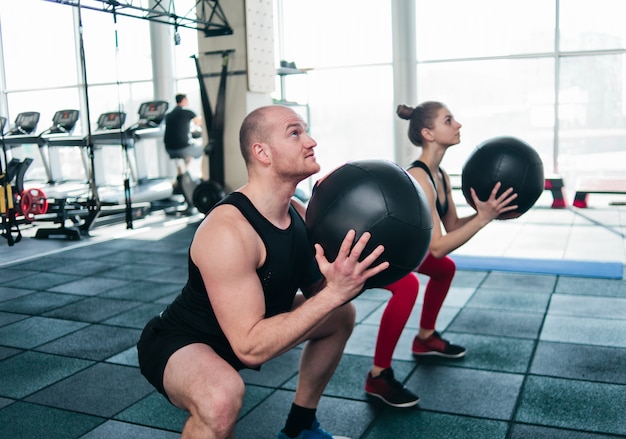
column 510, row 161
column 206, row 195
column 375, row 196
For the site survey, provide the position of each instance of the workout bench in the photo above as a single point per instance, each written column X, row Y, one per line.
column 554, row 184
column 597, row 185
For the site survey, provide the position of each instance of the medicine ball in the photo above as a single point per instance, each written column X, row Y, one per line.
column 375, row 196
column 510, row 161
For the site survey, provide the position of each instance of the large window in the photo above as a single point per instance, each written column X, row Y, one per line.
column 483, row 28
column 42, row 71
column 498, row 97
column 551, row 72
column 503, row 68
column 349, row 89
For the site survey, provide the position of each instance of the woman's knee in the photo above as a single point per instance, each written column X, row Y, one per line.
column 442, row 269
column 448, row 267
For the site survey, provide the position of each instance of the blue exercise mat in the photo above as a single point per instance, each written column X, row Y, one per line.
column 608, row 270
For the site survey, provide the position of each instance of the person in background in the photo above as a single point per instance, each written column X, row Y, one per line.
column 241, row 307
column 433, row 128
column 179, row 136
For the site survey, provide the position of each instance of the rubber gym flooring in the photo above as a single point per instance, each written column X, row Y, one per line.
column 546, row 348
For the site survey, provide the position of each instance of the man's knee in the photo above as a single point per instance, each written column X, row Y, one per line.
column 217, row 408
column 345, row 317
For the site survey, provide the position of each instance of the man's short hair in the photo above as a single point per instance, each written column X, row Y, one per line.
column 180, row 97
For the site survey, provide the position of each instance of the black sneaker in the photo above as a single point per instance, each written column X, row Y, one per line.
column 390, row 390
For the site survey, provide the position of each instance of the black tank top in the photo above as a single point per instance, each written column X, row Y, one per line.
column 289, row 265
column 442, row 209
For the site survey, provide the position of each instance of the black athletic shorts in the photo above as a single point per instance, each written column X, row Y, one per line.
column 158, row 342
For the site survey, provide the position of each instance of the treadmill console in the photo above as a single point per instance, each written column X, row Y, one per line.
column 25, row 123
column 64, row 121
column 151, row 114
column 111, row 121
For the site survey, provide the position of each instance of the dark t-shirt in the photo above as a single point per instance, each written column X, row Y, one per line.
column 177, row 128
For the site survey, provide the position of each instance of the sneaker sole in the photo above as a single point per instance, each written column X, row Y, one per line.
column 438, row 354
column 403, row 405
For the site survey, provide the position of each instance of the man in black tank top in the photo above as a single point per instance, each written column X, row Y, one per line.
column 241, row 306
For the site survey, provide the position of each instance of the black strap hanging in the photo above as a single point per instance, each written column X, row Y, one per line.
column 215, row 121
column 9, row 221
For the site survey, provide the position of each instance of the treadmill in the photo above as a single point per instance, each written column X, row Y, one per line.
column 69, row 199
column 137, row 196
column 22, row 134
column 142, row 189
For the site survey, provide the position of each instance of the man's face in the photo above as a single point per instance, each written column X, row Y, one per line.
column 291, row 146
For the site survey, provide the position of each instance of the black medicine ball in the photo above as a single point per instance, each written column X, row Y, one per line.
column 375, row 196
column 510, row 161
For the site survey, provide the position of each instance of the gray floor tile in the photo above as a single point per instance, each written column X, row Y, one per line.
column 177, row 275
column 498, row 354
column 337, row 416
column 348, row 381
column 131, row 271
column 276, row 372
column 96, row 342
column 38, row 303
column 8, row 352
column 598, row 332
column 89, row 286
column 142, row 290
column 591, row 287
column 155, row 411
column 509, row 300
column 34, row 331
column 520, row 281
column 588, row 306
column 7, row 318
column 97, row 251
column 581, row 362
column 253, row 397
column 93, row 309
column 463, row 278
column 494, row 322
column 37, row 264
column 563, row 403
column 137, row 317
column 115, row 429
column 126, row 358
column 27, row 421
column 365, row 307
column 7, row 293
column 469, row 392
column 412, row 424
column 87, row 267
column 4, row 402
column 520, row 431
column 40, row 281
column 112, row 388
column 32, row 371
column 363, row 340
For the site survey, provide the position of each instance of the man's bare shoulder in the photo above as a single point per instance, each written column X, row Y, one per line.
column 224, row 231
column 224, row 219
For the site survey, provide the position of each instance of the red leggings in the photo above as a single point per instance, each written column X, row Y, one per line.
column 404, row 294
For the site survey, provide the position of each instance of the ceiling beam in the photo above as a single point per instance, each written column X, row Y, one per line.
column 205, row 15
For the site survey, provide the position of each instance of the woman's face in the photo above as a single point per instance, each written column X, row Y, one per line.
column 446, row 129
